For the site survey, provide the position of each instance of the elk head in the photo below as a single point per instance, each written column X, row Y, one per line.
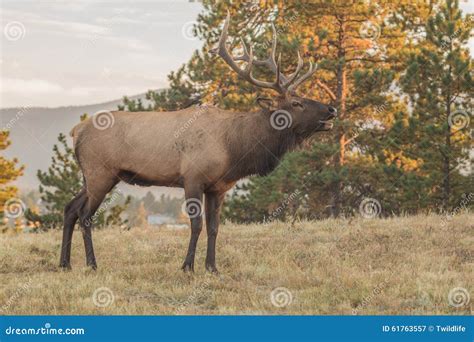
column 305, row 116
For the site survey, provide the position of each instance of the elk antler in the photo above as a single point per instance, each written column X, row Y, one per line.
column 282, row 84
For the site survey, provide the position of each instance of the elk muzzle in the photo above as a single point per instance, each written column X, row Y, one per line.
column 327, row 123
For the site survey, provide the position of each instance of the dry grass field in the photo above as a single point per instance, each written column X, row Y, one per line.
column 365, row 267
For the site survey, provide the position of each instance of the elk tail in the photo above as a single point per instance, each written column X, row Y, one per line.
column 74, row 133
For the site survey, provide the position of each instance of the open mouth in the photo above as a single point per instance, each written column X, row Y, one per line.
column 326, row 124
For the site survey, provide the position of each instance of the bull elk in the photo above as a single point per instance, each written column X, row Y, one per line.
column 217, row 149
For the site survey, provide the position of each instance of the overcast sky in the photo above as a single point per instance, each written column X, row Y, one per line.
column 56, row 53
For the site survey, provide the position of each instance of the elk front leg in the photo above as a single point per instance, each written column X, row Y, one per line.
column 194, row 210
column 213, row 207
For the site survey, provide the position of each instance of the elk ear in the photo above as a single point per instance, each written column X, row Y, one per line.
column 266, row 103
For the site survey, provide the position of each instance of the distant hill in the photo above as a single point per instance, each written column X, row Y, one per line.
column 34, row 131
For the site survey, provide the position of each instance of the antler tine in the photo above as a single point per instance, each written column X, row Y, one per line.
column 249, row 53
column 222, row 51
column 247, row 56
column 303, row 78
column 274, row 43
column 293, row 76
column 223, row 36
column 282, row 84
column 277, row 72
column 270, row 62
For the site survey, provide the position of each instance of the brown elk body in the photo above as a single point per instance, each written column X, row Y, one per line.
column 203, row 149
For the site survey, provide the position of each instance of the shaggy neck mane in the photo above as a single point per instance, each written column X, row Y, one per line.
column 254, row 146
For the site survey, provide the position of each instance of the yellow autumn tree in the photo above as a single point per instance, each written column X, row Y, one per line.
column 9, row 171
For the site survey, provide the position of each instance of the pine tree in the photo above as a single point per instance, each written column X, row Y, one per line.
column 114, row 214
column 179, row 95
column 58, row 185
column 357, row 69
column 440, row 86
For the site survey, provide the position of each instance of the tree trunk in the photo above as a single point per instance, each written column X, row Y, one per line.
column 341, row 109
column 447, row 161
column 447, row 154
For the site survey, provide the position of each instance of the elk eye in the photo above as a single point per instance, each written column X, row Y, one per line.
column 296, row 104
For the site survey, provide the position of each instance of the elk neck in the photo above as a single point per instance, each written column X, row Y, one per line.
column 255, row 147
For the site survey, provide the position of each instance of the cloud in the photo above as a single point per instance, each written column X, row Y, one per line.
column 31, row 86
column 92, row 52
column 36, row 22
column 117, row 20
column 70, row 27
column 90, row 32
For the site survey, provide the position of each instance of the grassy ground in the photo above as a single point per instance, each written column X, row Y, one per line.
column 393, row 266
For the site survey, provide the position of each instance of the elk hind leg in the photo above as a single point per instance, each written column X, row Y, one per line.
column 71, row 214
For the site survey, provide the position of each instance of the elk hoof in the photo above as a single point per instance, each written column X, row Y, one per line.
column 65, row 266
column 92, row 266
column 187, row 268
column 212, row 269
